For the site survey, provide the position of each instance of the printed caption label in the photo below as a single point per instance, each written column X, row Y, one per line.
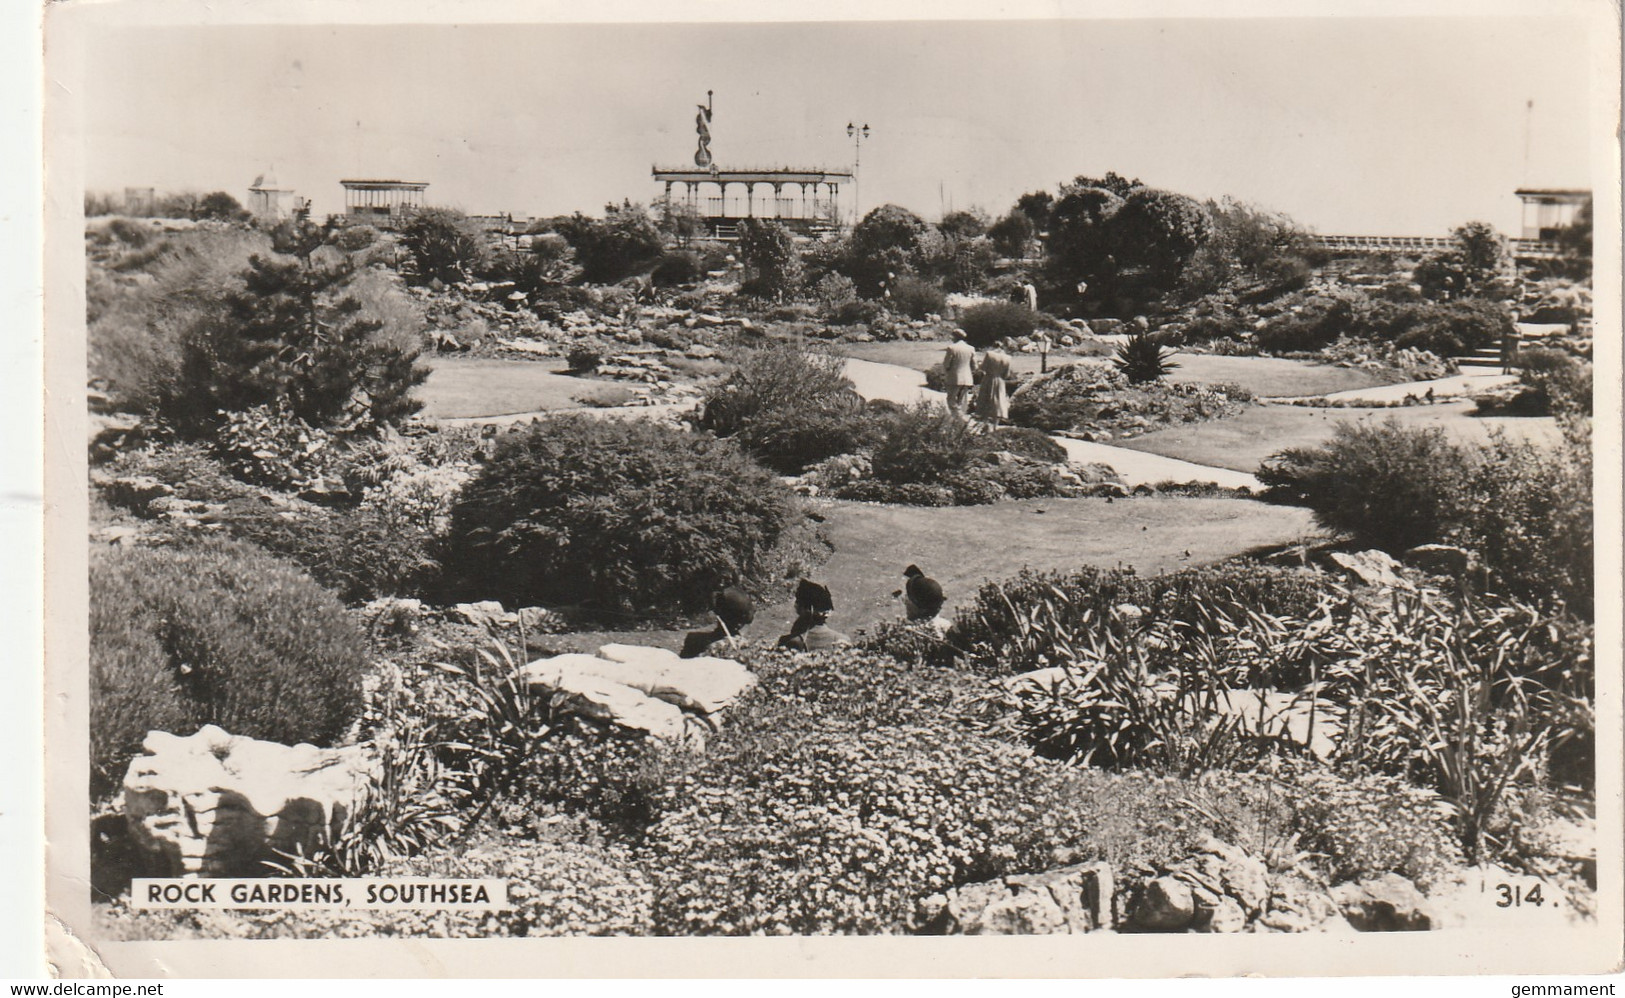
column 356, row 893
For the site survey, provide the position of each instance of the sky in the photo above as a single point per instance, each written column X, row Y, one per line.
column 1351, row 125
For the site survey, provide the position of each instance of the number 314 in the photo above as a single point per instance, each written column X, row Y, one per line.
column 1513, row 895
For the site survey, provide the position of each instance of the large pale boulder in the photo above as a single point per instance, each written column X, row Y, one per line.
column 214, row 804
column 1373, row 568
column 704, row 684
column 647, row 689
column 1288, row 717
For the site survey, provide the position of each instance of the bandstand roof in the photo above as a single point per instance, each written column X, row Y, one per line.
column 384, row 185
column 779, row 174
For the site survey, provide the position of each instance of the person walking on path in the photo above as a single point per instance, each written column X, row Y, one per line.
column 959, row 371
column 1030, row 296
column 992, row 402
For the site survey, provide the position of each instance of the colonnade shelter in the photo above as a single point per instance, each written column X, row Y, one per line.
column 804, row 200
column 383, row 203
column 1546, row 210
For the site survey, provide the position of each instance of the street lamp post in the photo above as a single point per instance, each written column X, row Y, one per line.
column 857, row 133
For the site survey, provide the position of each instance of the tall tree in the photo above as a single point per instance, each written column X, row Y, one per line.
column 292, row 333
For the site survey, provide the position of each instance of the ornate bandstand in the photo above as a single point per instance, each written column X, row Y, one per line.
column 805, row 199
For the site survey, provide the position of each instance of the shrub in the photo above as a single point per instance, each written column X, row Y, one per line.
column 355, row 238
column 1558, row 382
column 359, row 553
column 131, row 233
column 1390, row 485
column 215, row 633
column 1527, row 511
column 418, row 499
column 1142, row 358
column 769, row 253
column 832, row 291
column 1158, row 231
column 1080, row 234
column 1320, row 322
column 1456, row 328
column 917, row 298
column 1248, row 243
column 1477, row 258
column 610, row 249
column 269, row 445
column 791, row 439
column 676, row 268
column 615, row 514
column 445, row 244
column 790, row 407
column 1214, row 327
column 884, row 245
column 985, row 325
column 922, row 444
column 906, row 494
column 857, row 311
column 584, row 357
column 1064, row 398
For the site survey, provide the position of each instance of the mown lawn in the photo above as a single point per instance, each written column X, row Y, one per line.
column 1242, row 441
column 462, row 387
column 963, row 546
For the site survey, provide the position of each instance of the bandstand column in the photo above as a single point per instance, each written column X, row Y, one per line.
column 777, row 190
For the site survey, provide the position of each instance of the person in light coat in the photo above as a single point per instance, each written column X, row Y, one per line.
column 992, row 400
column 959, row 364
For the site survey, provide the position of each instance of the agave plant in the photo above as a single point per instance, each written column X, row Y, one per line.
column 1142, row 358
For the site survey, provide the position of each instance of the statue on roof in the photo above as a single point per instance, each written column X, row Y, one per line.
column 702, row 125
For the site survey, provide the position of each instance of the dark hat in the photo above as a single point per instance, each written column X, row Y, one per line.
column 926, row 594
column 813, row 598
column 734, row 608
column 912, row 571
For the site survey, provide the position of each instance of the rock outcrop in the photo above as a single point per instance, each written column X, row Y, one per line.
column 1226, row 889
column 1372, row 568
column 1388, row 903
column 646, row 689
column 1065, row 900
column 213, row 804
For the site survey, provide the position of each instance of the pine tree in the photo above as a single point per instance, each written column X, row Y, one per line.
column 292, row 334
